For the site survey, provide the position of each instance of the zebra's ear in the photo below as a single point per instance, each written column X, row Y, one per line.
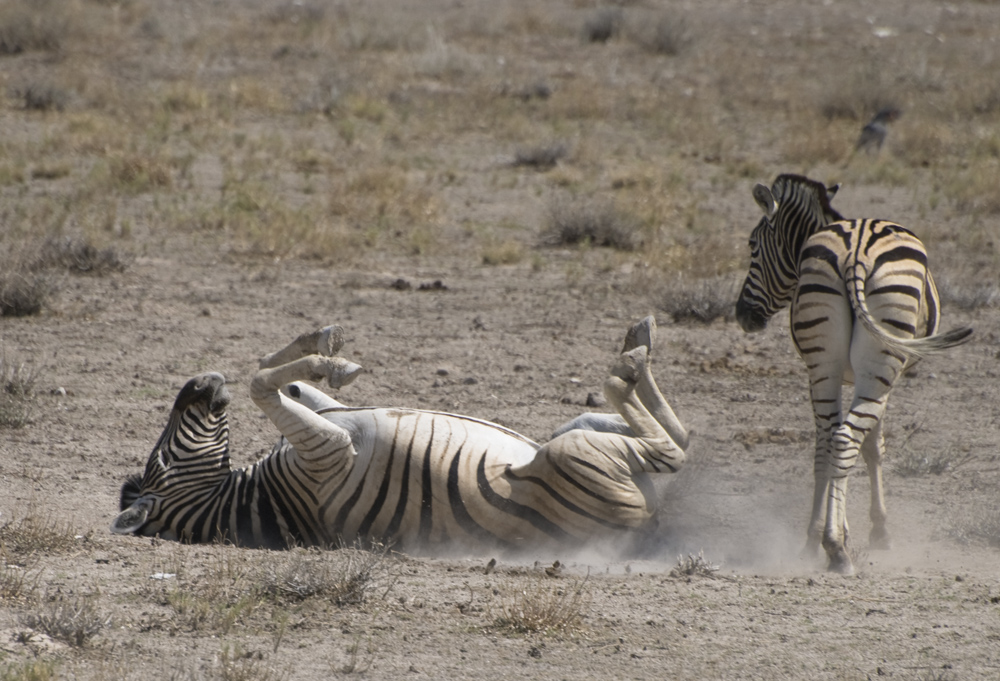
column 762, row 195
column 131, row 519
column 832, row 191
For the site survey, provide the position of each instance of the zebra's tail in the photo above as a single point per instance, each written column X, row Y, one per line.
column 908, row 347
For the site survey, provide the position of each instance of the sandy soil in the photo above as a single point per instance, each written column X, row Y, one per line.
column 523, row 346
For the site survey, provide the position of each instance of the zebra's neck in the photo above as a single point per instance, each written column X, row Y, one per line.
column 235, row 506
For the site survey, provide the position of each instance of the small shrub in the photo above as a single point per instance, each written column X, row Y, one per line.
column 857, row 96
column 236, row 665
column 27, row 25
column 136, row 173
column 346, row 576
column 17, row 397
column 73, row 622
column 50, row 171
column 18, row 583
column 669, row 36
column 699, row 300
column 41, row 97
column 603, row 25
column 32, row 534
column 35, row 670
column 532, row 605
column 541, row 157
column 184, row 97
column 23, row 293
column 693, row 566
column 913, row 464
column 981, row 527
column 972, row 296
column 80, row 256
column 597, row 223
column 506, row 252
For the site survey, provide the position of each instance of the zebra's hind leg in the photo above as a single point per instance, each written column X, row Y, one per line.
column 325, row 342
column 872, row 450
column 655, row 450
column 640, row 334
column 643, row 334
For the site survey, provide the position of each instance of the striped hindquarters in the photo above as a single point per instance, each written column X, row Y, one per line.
column 876, row 271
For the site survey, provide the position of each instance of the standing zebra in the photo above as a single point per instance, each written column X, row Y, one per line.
column 422, row 479
column 864, row 306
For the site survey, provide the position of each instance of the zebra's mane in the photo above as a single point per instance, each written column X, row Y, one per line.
column 787, row 183
column 131, row 489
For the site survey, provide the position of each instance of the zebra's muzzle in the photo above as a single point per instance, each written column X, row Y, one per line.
column 209, row 389
column 750, row 317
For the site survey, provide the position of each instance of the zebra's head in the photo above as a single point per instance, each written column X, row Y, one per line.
column 794, row 208
column 192, row 455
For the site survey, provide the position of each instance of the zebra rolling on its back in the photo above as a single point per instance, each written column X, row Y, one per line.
column 837, row 272
column 420, row 479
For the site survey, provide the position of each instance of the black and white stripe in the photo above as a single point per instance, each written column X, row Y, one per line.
column 863, row 306
column 420, row 479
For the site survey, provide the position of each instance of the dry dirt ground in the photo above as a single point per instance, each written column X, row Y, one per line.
column 522, row 344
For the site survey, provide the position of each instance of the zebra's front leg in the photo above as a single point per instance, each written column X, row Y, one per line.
column 313, row 437
column 325, row 342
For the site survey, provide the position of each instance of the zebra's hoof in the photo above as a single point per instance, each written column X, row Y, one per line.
column 340, row 372
column 841, row 563
column 642, row 333
column 879, row 539
column 630, row 364
column 330, row 341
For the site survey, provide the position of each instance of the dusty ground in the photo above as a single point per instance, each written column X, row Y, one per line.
column 522, row 344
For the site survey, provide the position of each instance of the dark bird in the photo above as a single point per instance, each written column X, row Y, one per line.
column 873, row 134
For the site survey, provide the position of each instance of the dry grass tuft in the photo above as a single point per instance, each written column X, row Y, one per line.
column 688, row 299
column 346, row 576
column 235, row 584
column 531, row 604
column 693, row 566
column 41, row 96
column 969, row 293
column 603, row 25
column 24, row 293
column 858, row 95
column 237, row 665
column 542, row 157
column 139, row 173
column 74, row 622
column 913, row 464
column 507, row 252
column 981, row 527
column 668, row 35
column 27, row 270
column 32, row 534
column 80, row 256
column 17, row 398
column 35, row 670
column 27, row 25
column 18, row 582
column 591, row 222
